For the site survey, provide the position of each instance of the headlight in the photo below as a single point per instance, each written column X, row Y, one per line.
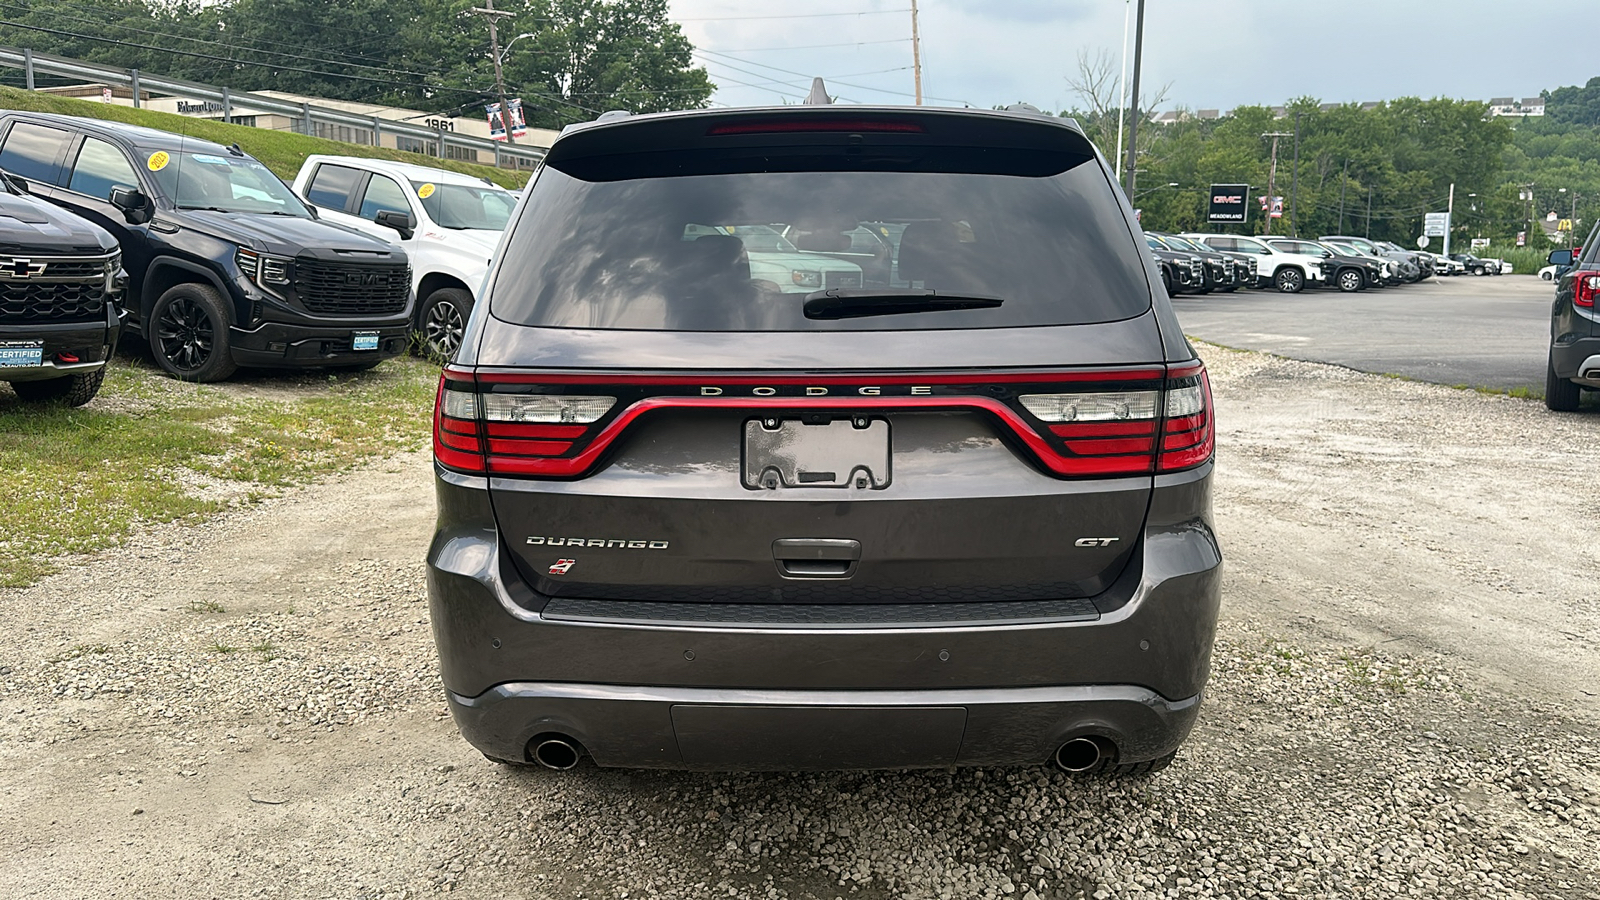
column 263, row 269
column 806, row 278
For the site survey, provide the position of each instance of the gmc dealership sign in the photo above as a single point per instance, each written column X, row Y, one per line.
column 1228, row 203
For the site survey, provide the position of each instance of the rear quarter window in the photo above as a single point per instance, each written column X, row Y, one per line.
column 631, row 244
column 331, row 185
column 34, row 152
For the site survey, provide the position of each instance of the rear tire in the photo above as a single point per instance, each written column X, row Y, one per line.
column 188, row 331
column 1560, row 394
column 1289, row 280
column 72, row 390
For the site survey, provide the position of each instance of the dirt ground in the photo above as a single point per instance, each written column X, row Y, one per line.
column 1405, row 703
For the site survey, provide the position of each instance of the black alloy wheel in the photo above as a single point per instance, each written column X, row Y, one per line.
column 1289, row 280
column 444, row 322
column 189, row 334
column 1351, row 280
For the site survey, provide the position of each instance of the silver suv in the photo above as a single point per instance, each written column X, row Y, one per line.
column 954, row 509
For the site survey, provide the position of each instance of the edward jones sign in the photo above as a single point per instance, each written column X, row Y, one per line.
column 1228, row 203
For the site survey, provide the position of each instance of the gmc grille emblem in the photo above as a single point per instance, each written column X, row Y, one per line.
column 22, row 268
column 364, row 279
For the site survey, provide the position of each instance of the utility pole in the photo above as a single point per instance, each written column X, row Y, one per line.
column 1369, row 213
column 916, row 53
column 1449, row 218
column 1122, row 85
column 494, row 16
column 1294, row 182
column 1344, row 179
column 1133, row 122
column 1272, row 177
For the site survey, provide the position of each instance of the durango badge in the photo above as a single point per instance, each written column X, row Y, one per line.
column 562, row 566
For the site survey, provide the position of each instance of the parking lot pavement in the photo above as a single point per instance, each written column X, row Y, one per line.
column 1403, row 704
column 1490, row 332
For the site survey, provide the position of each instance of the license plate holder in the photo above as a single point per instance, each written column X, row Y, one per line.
column 844, row 452
column 364, row 340
column 20, row 354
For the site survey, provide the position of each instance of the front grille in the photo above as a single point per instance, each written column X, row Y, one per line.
column 841, row 280
column 24, row 303
column 352, row 289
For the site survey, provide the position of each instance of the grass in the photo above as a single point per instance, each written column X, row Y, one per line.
column 280, row 151
column 152, row 450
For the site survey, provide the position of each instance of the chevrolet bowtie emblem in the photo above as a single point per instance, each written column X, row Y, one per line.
column 21, row 268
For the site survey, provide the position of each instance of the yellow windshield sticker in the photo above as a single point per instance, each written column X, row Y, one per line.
column 425, row 191
column 158, row 160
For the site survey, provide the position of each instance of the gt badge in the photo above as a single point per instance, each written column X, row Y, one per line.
column 1095, row 542
column 562, row 566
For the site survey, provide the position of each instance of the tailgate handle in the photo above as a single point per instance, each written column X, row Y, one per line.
column 816, row 557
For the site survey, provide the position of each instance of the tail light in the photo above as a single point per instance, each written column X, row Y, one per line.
column 1130, row 432
column 1076, row 424
column 1585, row 287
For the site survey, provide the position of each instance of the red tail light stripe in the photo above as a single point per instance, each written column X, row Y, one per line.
column 460, row 441
column 512, row 430
column 529, row 448
column 1106, row 447
column 1105, row 429
column 794, row 380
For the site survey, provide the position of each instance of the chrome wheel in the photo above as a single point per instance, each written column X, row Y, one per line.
column 443, row 326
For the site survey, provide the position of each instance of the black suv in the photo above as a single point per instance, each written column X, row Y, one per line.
column 226, row 266
column 60, row 278
column 957, row 512
column 1574, row 362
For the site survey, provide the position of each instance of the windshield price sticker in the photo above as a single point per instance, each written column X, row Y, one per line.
column 158, row 160
column 425, row 191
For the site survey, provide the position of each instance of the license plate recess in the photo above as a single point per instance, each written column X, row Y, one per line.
column 816, row 452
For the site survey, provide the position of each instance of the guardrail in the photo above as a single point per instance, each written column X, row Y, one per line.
column 305, row 115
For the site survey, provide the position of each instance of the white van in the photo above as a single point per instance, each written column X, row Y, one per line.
column 454, row 224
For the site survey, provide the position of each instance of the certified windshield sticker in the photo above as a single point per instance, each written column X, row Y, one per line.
column 158, row 160
column 425, row 191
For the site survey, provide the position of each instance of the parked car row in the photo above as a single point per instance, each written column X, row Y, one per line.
column 217, row 263
column 1201, row 263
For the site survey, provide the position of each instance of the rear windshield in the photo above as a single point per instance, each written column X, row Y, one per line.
column 742, row 250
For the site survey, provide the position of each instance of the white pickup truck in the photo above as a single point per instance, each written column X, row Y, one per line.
column 454, row 225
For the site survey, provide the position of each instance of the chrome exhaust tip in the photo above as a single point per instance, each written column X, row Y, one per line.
column 1079, row 755
column 556, row 752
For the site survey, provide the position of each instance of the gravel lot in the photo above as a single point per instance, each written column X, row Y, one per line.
column 1404, row 704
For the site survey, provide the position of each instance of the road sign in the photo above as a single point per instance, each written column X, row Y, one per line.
column 1422, row 242
column 1480, row 243
column 1436, row 224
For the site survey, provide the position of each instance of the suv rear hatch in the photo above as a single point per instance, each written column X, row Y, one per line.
column 673, row 404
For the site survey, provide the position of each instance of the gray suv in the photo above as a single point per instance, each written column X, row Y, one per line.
column 947, row 507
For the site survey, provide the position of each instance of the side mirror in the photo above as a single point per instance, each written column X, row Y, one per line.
column 17, row 182
column 399, row 221
column 134, row 204
column 1560, row 258
column 1327, row 254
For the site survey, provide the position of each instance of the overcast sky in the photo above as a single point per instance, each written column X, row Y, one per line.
column 1215, row 53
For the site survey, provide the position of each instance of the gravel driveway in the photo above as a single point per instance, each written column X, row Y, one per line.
column 1403, row 704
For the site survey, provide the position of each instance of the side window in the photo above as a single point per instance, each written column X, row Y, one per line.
column 331, row 186
column 34, row 152
column 1222, row 243
column 101, row 167
column 383, row 194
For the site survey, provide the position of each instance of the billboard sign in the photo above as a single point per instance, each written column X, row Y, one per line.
column 1435, row 224
column 1228, row 204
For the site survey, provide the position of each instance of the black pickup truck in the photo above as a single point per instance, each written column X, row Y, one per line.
column 60, row 278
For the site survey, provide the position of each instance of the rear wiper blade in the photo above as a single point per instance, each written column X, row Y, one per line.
column 851, row 303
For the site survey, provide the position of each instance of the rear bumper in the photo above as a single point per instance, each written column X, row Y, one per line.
column 668, row 691
column 728, row 730
column 1578, row 360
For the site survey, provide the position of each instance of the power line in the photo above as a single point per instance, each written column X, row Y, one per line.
column 863, row 87
column 871, row 12
column 904, row 40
